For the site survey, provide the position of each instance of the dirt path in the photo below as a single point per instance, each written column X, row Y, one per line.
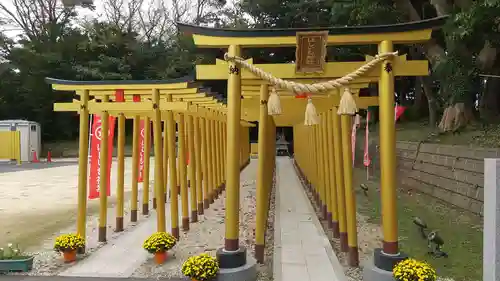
column 38, row 202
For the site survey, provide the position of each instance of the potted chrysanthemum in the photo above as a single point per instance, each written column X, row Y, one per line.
column 68, row 245
column 159, row 244
column 202, row 267
column 413, row 270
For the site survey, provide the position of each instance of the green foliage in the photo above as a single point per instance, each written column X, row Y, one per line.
column 100, row 50
column 369, row 12
column 96, row 51
column 475, row 25
column 457, row 76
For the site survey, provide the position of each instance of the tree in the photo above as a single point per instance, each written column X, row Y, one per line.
column 40, row 20
column 467, row 46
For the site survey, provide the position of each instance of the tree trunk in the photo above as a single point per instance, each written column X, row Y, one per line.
column 434, row 53
column 489, row 101
column 431, row 99
column 420, row 104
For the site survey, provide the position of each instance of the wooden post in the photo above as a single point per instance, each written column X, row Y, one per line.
column 224, row 150
column 350, row 199
column 388, row 155
column 218, row 155
column 135, row 169
column 331, row 172
column 103, row 180
column 198, row 161
column 221, row 154
column 172, row 163
column 193, row 183
column 319, row 179
column 233, row 146
column 83, row 152
column 213, row 158
column 121, row 173
column 204, row 153
column 145, row 172
column 327, row 211
column 210, row 161
column 182, row 171
column 339, row 180
column 165, row 160
column 159, row 185
column 262, row 170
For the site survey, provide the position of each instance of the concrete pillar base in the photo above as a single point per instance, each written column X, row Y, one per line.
column 247, row 272
column 373, row 273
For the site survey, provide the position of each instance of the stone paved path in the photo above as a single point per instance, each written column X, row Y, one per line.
column 119, row 258
column 302, row 250
column 122, row 256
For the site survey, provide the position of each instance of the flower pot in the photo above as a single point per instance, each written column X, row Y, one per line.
column 69, row 256
column 23, row 264
column 160, row 257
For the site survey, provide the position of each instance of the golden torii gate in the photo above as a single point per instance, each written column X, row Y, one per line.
column 156, row 100
column 311, row 50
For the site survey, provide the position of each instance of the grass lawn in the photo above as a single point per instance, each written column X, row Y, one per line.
column 473, row 135
column 29, row 231
column 462, row 232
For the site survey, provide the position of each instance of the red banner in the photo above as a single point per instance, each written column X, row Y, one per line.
column 95, row 148
column 355, row 127
column 398, row 111
column 142, row 146
column 366, row 157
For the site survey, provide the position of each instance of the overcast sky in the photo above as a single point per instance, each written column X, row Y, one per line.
column 97, row 13
column 12, row 32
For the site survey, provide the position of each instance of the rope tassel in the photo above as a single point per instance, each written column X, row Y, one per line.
column 274, row 104
column 347, row 105
column 311, row 117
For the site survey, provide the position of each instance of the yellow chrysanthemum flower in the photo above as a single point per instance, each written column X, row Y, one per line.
column 413, row 270
column 69, row 242
column 159, row 242
column 202, row 267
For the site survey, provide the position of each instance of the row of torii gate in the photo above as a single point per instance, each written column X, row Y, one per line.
column 216, row 134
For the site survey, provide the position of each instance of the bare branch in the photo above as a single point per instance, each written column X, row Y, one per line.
column 155, row 21
column 35, row 17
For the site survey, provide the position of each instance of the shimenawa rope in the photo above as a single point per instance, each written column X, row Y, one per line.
column 347, row 104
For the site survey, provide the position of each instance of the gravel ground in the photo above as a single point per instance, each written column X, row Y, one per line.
column 208, row 235
column 47, row 262
column 266, row 270
column 369, row 237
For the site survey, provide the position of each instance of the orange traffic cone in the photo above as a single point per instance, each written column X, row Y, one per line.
column 35, row 158
column 49, row 156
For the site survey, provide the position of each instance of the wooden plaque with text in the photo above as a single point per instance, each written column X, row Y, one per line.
column 311, row 52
